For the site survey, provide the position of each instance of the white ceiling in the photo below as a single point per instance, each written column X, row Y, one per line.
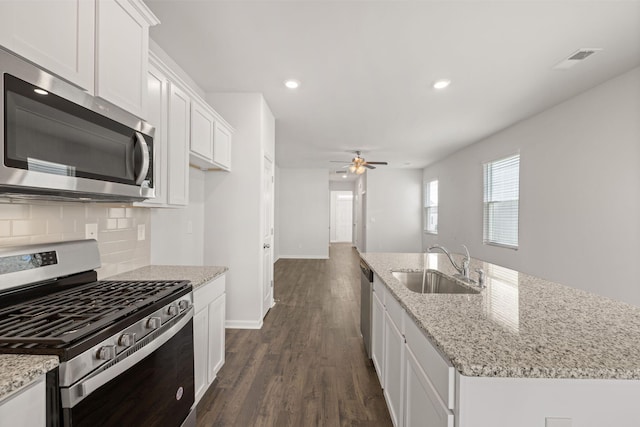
column 367, row 67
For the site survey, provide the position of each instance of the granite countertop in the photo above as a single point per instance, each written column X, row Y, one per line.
column 519, row 325
column 197, row 275
column 19, row 370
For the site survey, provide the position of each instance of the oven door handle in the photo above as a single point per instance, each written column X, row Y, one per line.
column 76, row 393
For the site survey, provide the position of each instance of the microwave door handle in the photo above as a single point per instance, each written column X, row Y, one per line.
column 145, row 158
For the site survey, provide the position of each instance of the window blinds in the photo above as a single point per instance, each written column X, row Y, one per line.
column 431, row 207
column 501, row 195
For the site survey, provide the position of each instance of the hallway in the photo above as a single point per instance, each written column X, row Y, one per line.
column 307, row 365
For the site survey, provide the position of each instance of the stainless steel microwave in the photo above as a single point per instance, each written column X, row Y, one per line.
column 59, row 142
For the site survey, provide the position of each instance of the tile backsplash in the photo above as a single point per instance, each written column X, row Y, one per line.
column 24, row 223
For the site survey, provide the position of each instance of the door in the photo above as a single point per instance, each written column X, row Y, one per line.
column 341, row 216
column 267, row 236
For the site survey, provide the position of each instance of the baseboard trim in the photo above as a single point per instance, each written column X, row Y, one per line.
column 243, row 324
column 303, row 257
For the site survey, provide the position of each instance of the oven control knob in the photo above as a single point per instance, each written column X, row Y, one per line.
column 126, row 340
column 106, row 352
column 154, row 322
column 183, row 304
column 172, row 310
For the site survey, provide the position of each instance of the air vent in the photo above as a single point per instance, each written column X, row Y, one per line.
column 576, row 57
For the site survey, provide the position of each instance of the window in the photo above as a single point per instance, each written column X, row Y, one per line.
column 431, row 207
column 501, row 195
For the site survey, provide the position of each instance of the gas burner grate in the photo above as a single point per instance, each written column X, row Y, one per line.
column 63, row 317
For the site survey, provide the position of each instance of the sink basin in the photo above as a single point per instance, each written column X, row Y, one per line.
column 435, row 283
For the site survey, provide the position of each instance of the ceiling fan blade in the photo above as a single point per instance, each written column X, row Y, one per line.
column 367, row 165
column 378, row 163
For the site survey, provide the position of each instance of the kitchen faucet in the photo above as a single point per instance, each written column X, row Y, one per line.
column 463, row 270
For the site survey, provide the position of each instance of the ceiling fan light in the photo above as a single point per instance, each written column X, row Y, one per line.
column 352, row 168
column 360, row 170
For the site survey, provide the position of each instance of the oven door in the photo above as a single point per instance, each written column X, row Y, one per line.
column 154, row 386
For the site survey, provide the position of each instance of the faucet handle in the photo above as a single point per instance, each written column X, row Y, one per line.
column 480, row 277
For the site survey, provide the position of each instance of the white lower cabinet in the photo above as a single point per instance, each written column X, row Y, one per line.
column 215, row 358
column 208, row 333
column 422, row 406
column 377, row 335
column 417, row 382
column 393, row 370
column 25, row 408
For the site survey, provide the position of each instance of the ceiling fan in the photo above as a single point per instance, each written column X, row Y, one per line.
column 358, row 164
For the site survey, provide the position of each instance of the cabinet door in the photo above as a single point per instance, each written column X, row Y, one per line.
column 200, row 349
column 26, row 408
column 157, row 106
column 122, row 49
column 58, row 35
column 201, row 142
column 377, row 337
column 178, row 149
column 222, row 146
column 393, row 369
column 216, row 337
column 422, row 405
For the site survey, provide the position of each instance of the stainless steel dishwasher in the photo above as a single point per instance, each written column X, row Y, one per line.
column 366, row 284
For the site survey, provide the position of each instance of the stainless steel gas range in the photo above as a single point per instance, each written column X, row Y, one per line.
column 125, row 347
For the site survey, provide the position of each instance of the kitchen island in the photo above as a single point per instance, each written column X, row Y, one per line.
column 522, row 338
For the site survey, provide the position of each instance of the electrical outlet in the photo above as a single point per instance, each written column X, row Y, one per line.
column 91, row 231
column 141, row 232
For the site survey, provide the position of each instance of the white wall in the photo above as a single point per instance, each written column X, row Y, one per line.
column 233, row 235
column 393, row 199
column 303, row 213
column 178, row 233
column 579, row 192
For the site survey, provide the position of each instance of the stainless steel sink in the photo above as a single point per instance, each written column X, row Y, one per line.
column 434, row 283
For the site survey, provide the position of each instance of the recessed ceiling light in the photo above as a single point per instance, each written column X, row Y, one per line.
column 441, row 84
column 292, row 84
column 41, row 92
column 344, row 176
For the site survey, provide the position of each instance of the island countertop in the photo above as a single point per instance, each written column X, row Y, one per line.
column 197, row 275
column 519, row 325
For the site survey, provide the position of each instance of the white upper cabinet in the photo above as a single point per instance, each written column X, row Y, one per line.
column 157, row 116
column 122, row 49
column 100, row 46
column 210, row 138
column 177, row 147
column 222, row 146
column 202, row 124
column 58, row 35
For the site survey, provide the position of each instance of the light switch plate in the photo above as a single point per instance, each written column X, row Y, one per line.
column 91, row 231
column 141, row 232
column 557, row 422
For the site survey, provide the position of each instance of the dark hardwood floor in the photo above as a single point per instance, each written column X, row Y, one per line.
column 307, row 365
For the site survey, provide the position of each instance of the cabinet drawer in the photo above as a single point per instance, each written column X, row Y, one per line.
column 207, row 293
column 395, row 310
column 379, row 289
column 440, row 372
